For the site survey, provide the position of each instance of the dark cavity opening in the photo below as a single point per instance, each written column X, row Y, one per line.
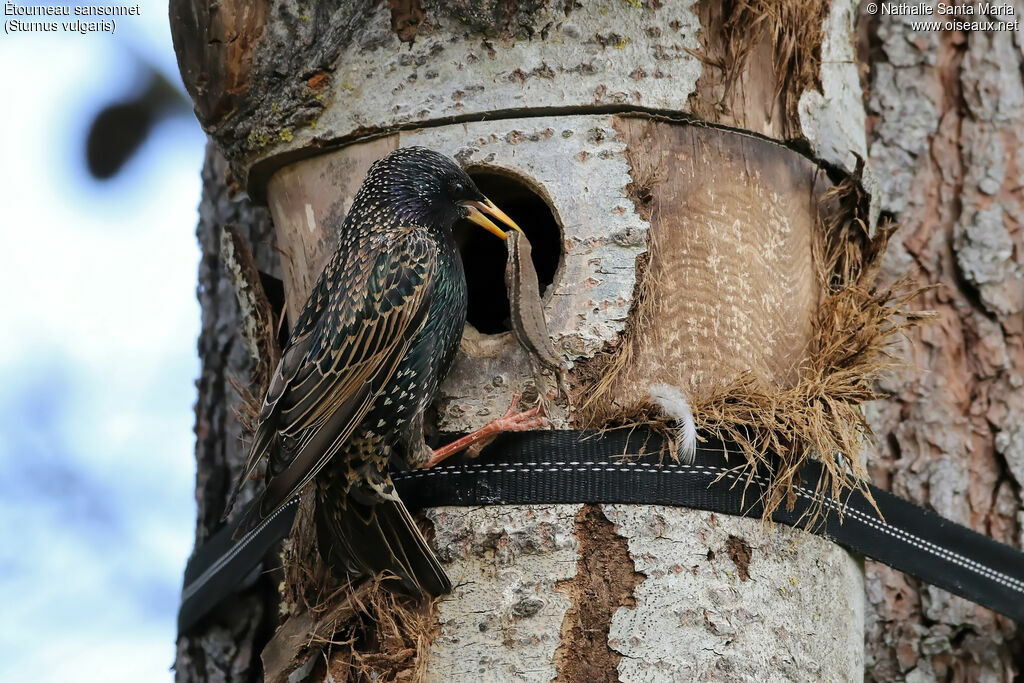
column 274, row 290
column 484, row 255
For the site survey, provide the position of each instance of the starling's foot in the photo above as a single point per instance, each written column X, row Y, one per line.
column 511, row 421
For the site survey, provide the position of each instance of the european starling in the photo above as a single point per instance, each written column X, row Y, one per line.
column 365, row 359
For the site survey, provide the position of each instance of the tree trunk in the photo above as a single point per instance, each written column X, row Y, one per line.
column 947, row 111
column 579, row 102
column 226, row 646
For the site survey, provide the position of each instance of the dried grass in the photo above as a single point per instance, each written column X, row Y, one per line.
column 248, row 409
column 366, row 631
column 362, row 631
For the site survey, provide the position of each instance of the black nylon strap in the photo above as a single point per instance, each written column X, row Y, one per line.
column 587, row 467
column 574, row 467
column 220, row 566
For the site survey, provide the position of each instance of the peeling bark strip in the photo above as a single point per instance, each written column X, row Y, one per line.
column 255, row 312
column 773, row 48
column 529, row 325
column 605, row 580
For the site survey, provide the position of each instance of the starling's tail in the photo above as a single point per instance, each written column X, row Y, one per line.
column 367, row 538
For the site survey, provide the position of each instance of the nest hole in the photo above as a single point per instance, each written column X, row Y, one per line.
column 484, row 256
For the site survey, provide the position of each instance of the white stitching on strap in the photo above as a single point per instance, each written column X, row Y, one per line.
column 928, row 546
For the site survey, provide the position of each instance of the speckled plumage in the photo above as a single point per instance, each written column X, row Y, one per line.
column 365, row 359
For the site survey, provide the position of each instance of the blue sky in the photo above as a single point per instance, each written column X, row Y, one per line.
column 97, row 360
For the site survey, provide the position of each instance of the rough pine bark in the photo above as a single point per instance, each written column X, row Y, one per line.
column 225, row 647
column 946, row 121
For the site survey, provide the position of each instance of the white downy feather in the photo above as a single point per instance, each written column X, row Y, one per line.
column 672, row 401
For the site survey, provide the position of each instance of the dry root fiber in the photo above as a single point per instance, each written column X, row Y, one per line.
column 792, row 29
column 387, row 638
column 363, row 631
column 357, row 633
column 819, row 416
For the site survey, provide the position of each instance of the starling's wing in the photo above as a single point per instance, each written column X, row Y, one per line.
column 356, row 327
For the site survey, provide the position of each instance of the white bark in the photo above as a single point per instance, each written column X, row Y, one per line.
column 504, row 618
column 585, row 57
column 792, row 613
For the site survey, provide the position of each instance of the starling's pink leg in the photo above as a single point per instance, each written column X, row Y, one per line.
column 511, row 421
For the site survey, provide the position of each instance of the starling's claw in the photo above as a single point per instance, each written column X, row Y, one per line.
column 516, row 398
column 525, row 421
column 511, row 421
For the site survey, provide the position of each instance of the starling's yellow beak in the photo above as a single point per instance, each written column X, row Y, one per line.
column 476, row 214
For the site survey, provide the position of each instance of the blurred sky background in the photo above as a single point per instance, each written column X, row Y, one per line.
column 97, row 359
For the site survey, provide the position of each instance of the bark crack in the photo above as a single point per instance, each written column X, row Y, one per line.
column 740, row 554
column 406, row 17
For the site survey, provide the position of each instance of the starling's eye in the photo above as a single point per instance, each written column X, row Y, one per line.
column 458, row 188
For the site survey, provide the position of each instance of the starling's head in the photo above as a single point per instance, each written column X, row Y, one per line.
column 421, row 186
